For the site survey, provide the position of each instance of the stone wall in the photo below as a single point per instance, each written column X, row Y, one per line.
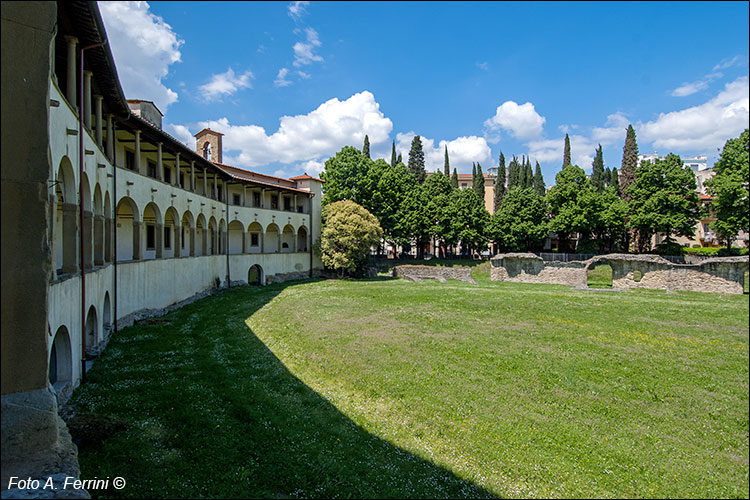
column 419, row 273
column 719, row 275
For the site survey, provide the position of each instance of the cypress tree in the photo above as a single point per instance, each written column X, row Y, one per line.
column 447, row 165
column 499, row 184
column 539, row 181
column 513, row 171
column 416, row 160
column 399, row 160
column 393, row 154
column 607, row 177
column 629, row 161
column 614, row 181
column 366, row 147
column 597, row 173
column 566, row 153
column 479, row 183
column 528, row 174
column 454, row 179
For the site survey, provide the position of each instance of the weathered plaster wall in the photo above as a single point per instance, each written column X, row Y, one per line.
column 529, row 268
column 418, row 273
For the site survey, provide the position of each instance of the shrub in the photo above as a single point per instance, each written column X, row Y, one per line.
column 349, row 231
column 669, row 248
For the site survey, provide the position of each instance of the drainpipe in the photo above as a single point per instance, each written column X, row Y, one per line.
column 114, row 224
column 81, row 108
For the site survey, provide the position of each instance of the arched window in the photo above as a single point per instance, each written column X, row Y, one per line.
column 207, row 151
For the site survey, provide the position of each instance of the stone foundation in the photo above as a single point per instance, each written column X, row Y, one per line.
column 718, row 275
column 419, row 273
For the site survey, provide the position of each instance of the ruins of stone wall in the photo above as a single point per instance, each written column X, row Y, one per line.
column 419, row 273
column 718, row 275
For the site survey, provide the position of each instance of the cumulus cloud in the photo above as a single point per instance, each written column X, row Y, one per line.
column 281, row 80
column 182, row 134
column 304, row 52
column 225, row 84
column 483, row 65
column 462, row 151
column 703, row 127
column 297, row 9
column 301, row 138
column 144, row 47
column 522, row 122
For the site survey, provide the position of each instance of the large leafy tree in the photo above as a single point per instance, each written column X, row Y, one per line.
column 606, row 226
column 345, row 175
column 566, row 152
column 349, row 231
column 663, row 200
column 538, row 183
column 499, row 184
column 521, row 222
column 436, row 192
column 467, row 220
column 729, row 187
column 569, row 215
column 392, row 185
column 629, row 162
column 597, row 172
column 479, row 182
column 366, row 147
column 416, row 160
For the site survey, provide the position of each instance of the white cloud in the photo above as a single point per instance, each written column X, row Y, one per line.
column 281, row 80
column 312, row 167
column 687, row 89
column 523, row 122
column 301, row 138
column 462, row 151
column 182, row 134
column 297, row 9
column 483, row 65
column 304, row 75
column 727, row 63
column 144, row 47
column 304, row 52
column 225, row 84
column 613, row 131
column 703, row 127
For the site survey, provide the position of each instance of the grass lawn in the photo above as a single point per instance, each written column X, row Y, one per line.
column 390, row 388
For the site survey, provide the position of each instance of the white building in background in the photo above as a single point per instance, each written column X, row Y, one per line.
column 696, row 163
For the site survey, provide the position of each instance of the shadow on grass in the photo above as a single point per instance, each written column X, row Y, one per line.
column 211, row 412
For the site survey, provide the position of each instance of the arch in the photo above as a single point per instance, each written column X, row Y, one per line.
column 187, row 234
column 128, row 230
column 106, row 316
column 222, row 237
column 201, row 235
column 92, row 329
column 287, row 239
column 271, row 239
column 212, row 236
column 302, row 239
column 60, row 371
column 236, row 242
column 254, row 238
column 67, row 179
column 171, row 237
column 107, row 228
column 152, row 224
column 255, row 275
column 98, row 226
column 88, row 222
column 86, row 193
column 207, row 153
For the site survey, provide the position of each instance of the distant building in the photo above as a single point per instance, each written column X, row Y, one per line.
column 695, row 163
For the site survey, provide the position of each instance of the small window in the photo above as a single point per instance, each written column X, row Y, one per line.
column 299, row 209
column 287, row 204
column 256, row 199
column 150, row 237
column 130, row 160
column 275, row 202
column 236, row 198
column 167, row 176
column 167, row 237
column 254, row 240
column 152, row 169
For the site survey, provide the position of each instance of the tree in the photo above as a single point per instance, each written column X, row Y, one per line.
column 393, row 154
column 629, row 162
column 528, row 175
column 514, row 171
column 436, row 191
column 454, row 179
column 349, row 232
column 479, row 182
column 392, row 184
column 416, row 160
column 473, row 176
column 729, row 187
column 597, row 172
column 467, row 220
column 366, row 147
column 399, row 160
column 569, row 215
column 662, row 200
column 607, row 177
column 447, row 165
column 566, row 152
column 539, row 186
column 344, row 176
column 499, row 184
column 614, row 180
column 520, row 223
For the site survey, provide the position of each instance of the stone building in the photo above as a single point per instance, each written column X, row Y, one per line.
column 105, row 215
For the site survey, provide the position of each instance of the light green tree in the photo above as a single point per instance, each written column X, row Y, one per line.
column 349, row 232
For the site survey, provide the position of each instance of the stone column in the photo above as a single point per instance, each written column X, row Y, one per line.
column 138, row 152
column 192, row 176
column 177, row 173
column 204, row 241
column 177, row 244
column 70, row 238
column 262, row 198
column 98, row 115
column 72, row 78
column 136, row 240
column 159, row 162
column 262, row 240
column 88, row 238
column 99, row 242
column 86, row 105
column 192, row 242
column 110, row 139
column 159, row 240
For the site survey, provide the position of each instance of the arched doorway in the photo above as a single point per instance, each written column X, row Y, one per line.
column 106, row 316
column 236, row 243
column 92, row 329
column 255, row 275
column 302, row 239
column 60, row 360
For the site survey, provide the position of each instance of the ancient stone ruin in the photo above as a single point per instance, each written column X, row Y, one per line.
column 419, row 273
column 718, row 275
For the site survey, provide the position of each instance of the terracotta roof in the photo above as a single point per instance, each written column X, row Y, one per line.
column 257, row 178
column 305, row 177
column 705, row 196
column 207, row 130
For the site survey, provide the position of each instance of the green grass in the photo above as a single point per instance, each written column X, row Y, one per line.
column 600, row 276
column 396, row 389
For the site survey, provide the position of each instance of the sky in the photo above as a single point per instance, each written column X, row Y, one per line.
column 289, row 84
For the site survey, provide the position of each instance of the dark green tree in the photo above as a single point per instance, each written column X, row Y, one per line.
column 499, row 184
column 597, row 172
column 607, row 177
column 514, row 171
column 473, row 176
column 399, row 159
column 393, row 154
column 629, row 162
column 479, row 182
column 539, row 186
column 614, row 181
column 454, row 179
column 447, row 164
column 729, row 187
column 521, row 222
column 345, row 176
column 467, row 220
column 416, row 160
column 569, row 215
column 366, row 147
column 566, row 152
column 528, row 174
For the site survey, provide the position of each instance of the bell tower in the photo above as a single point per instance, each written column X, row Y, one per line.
column 208, row 144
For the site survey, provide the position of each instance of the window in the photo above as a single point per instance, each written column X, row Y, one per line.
column 167, row 176
column 167, row 237
column 182, row 236
column 130, row 160
column 275, row 202
column 150, row 237
column 256, row 199
column 464, row 185
column 254, row 239
column 287, row 204
column 299, row 209
column 152, row 169
column 236, row 198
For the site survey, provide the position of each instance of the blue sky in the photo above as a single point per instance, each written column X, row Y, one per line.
column 289, row 84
